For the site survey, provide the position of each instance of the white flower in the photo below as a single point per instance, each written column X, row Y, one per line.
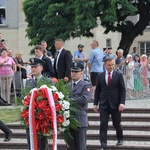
column 61, row 129
column 61, row 102
column 25, row 97
column 23, row 108
column 43, row 86
column 66, row 114
column 66, row 123
column 33, row 90
column 54, row 89
column 60, row 95
column 65, row 105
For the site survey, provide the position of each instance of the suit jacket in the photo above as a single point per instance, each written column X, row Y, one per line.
column 48, row 69
column 81, row 94
column 112, row 95
column 63, row 65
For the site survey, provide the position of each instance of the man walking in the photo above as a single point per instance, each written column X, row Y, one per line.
column 95, row 64
column 110, row 94
column 6, row 130
column 81, row 93
column 62, row 61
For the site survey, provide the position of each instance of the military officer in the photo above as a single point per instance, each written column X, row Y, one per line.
column 81, row 93
column 36, row 70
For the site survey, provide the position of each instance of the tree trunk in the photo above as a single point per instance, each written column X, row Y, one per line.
column 128, row 37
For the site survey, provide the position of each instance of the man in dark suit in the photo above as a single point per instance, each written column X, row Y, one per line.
column 110, row 94
column 47, row 68
column 62, row 61
column 81, row 93
column 6, row 130
column 36, row 69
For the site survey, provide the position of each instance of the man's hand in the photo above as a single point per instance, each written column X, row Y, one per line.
column 121, row 107
column 95, row 108
column 66, row 79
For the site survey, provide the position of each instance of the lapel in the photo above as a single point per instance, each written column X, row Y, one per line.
column 61, row 54
column 76, row 86
column 103, row 78
column 112, row 78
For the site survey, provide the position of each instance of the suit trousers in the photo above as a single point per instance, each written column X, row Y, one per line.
column 104, row 118
column 78, row 140
column 42, row 141
column 4, row 128
column 6, row 87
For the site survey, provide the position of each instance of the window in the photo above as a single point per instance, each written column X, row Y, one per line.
column 144, row 47
column 2, row 12
column 108, row 42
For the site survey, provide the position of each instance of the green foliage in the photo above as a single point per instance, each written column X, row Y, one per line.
column 50, row 19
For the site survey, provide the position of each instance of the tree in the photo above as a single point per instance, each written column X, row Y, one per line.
column 49, row 19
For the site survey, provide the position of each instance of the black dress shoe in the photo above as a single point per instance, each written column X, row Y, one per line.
column 119, row 142
column 8, row 136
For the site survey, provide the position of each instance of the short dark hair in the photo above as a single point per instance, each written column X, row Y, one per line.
column 39, row 47
column 43, row 41
column 60, row 40
column 3, row 50
column 108, row 59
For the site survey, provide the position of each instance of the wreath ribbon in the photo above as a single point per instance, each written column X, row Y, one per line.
column 32, row 129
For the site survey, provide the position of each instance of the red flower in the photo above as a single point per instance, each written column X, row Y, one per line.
column 55, row 96
column 43, row 93
column 38, row 125
column 49, row 117
column 24, row 114
column 60, row 119
column 58, row 107
column 26, row 101
column 42, row 104
column 44, row 130
column 40, row 116
column 47, row 110
column 35, row 105
column 45, row 123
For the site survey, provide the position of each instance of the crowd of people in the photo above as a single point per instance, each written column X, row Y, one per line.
column 108, row 74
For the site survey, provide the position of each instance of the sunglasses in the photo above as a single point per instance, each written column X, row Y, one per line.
column 75, row 71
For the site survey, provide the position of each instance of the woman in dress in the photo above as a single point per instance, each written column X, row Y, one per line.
column 7, row 69
column 137, row 76
column 129, row 75
column 144, row 71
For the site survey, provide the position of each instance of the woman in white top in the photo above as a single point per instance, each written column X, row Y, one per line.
column 129, row 75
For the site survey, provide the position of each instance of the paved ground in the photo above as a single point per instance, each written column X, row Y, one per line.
column 139, row 103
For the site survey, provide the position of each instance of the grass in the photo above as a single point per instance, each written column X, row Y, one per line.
column 10, row 115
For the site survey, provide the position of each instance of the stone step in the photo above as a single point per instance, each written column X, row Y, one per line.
column 128, row 136
column 129, row 110
column 136, row 126
column 95, row 126
column 92, row 146
column 125, row 118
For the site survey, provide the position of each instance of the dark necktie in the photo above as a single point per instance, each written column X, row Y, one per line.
column 73, row 85
column 36, row 80
column 109, row 78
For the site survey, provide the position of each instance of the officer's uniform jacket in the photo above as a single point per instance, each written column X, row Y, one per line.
column 81, row 94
